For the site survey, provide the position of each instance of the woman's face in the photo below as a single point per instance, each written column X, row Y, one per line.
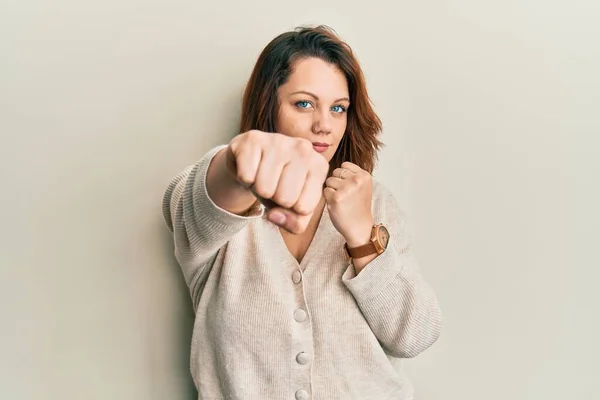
column 313, row 105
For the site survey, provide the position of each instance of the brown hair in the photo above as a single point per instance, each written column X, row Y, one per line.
column 260, row 104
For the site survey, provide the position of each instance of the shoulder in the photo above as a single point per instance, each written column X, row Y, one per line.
column 380, row 190
column 384, row 199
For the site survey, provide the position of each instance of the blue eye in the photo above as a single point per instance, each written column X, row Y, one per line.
column 303, row 104
column 338, row 109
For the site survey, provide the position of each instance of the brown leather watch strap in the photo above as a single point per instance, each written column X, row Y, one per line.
column 361, row 251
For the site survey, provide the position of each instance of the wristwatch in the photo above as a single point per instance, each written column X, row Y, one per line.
column 380, row 238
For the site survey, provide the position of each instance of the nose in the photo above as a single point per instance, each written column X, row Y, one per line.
column 321, row 122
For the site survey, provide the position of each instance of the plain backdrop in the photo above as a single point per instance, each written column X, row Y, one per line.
column 491, row 118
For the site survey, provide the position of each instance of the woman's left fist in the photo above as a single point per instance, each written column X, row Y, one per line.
column 348, row 192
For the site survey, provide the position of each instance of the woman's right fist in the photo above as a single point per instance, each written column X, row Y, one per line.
column 285, row 173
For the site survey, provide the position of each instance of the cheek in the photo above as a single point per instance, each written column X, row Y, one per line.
column 340, row 128
column 292, row 123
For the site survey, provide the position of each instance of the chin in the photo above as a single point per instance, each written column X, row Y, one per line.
column 327, row 156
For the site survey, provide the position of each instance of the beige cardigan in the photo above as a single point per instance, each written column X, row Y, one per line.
column 268, row 328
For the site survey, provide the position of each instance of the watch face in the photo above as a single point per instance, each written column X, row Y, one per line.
column 384, row 236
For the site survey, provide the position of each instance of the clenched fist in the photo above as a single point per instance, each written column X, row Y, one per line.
column 285, row 173
column 349, row 194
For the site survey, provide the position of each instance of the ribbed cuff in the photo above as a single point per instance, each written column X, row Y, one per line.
column 375, row 277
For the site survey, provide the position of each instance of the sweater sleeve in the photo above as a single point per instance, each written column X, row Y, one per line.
column 398, row 304
column 199, row 227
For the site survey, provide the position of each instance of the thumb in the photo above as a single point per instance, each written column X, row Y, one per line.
column 329, row 194
column 289, row 220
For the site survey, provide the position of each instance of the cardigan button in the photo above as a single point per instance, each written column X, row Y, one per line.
column 301, row 395
column 302, row 358
column 297, row 277
column 300, row 315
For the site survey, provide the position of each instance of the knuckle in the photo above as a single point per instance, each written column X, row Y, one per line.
column 253, row 136
column 234, row 143
column 302, row 208
column 303, row 146
column 263, row 191
column 284, row 200
column 244, row 178
column 319, row 163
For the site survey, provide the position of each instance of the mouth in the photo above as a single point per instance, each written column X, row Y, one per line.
column 320, row 147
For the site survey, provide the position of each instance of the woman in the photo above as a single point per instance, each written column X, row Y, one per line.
column 282, row 236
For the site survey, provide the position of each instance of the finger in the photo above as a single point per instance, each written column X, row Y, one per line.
column 342, row 173
column 230, row 161
column 268, row 175
column 311, row 192
column 351, row 167
column 289, row 220
column 289, row 188
column 246, row 159
column 335, row 183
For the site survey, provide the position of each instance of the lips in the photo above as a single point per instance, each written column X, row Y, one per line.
column 320, row 147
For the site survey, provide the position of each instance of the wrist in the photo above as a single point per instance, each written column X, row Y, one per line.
column 360, row 236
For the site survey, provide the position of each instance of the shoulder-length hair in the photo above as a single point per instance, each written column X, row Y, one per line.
column 260, row 103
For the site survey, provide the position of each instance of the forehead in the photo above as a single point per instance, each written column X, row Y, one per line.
column 317, row 76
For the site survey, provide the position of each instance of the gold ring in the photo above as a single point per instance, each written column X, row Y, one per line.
column 342, row 173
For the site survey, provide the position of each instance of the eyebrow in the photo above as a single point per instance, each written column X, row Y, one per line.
column 317, row 97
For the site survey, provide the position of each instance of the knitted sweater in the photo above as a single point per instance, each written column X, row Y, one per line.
column 270, row 328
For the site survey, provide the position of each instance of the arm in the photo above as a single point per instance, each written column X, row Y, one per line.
column 199, row 225
column 398, row 304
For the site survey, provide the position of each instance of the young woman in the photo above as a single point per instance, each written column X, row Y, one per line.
column 298, row 262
